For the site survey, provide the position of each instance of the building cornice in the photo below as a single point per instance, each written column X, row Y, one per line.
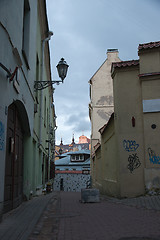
column 152, row 74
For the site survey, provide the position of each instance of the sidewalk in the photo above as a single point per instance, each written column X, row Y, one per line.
column 62, row 216
column 19, row 223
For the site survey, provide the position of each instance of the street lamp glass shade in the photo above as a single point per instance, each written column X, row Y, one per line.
column 62, row 68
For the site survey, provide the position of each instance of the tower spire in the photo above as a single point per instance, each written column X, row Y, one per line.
column 73, row 142
column 61, row 141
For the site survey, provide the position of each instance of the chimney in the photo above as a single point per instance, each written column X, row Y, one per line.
column 112, row 54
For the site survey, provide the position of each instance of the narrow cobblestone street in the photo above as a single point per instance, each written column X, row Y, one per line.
column 62, row 216
column 111, row 219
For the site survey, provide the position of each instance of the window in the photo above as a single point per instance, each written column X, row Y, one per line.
column 81, row 157
column 73, row 158
column 77, row 158
column 26, row 35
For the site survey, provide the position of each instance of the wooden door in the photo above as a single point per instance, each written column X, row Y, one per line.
column 14, row 161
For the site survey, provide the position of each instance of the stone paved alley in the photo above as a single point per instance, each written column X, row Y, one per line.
column 64, row 217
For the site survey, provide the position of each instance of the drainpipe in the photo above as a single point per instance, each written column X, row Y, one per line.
column 41, row 79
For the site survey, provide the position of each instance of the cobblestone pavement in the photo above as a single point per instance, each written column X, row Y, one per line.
column 147, row 202
column 110, row 219
column 62, row 216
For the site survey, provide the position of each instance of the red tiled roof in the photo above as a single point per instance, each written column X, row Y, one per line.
column 101, row 130
column 149, row 45
column 97, row 146
column 125, row 63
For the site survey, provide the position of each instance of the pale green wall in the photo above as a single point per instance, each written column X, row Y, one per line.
column 28, row 167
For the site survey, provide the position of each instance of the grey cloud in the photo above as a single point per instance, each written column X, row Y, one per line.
column 82, row 126
column 83, row 39
column 79, row 122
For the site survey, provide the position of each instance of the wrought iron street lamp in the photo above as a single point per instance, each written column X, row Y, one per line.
column 62, row 68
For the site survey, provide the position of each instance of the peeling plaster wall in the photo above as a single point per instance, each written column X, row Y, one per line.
column 105, row 100
column 102, row 96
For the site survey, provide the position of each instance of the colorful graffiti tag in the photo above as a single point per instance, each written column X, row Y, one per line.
column 152, row 157
column 133, row 162
column 130, row 145
column 1, row 136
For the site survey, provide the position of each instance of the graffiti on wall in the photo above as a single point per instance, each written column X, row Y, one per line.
column 153, row 158
column 133, row 159
column 134, row 162
column 130, row 145
column 1, row 136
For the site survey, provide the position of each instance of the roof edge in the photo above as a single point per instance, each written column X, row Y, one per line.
column 102, row 129
column 150, row 45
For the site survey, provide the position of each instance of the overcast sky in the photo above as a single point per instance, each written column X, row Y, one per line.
column 83, row 31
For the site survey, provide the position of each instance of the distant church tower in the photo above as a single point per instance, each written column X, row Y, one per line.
column 61, row 142
column 73, row 142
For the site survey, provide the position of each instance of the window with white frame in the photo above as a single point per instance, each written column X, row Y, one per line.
column 77, row 158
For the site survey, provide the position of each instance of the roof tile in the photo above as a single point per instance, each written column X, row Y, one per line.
column 97, row 146
column 125, row 63
column 149, row 45
column 101, row 130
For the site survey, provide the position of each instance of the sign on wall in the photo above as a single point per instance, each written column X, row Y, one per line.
column 152, row 105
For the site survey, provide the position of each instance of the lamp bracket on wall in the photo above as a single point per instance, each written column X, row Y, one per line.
column 39, row 85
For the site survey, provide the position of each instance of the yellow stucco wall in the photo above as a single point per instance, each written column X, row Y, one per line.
column 150, row 63
column 129, row 157
column 97, row 170
column 110, row 175
column 128, row 105
column 149, row 60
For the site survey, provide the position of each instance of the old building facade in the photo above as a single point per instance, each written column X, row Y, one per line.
column 72, row 171
column 83, row 144
column 127, row 162
column 101, row 97
column 21, row 35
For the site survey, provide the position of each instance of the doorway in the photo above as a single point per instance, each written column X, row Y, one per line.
column 61, row 185
column 13, row 189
